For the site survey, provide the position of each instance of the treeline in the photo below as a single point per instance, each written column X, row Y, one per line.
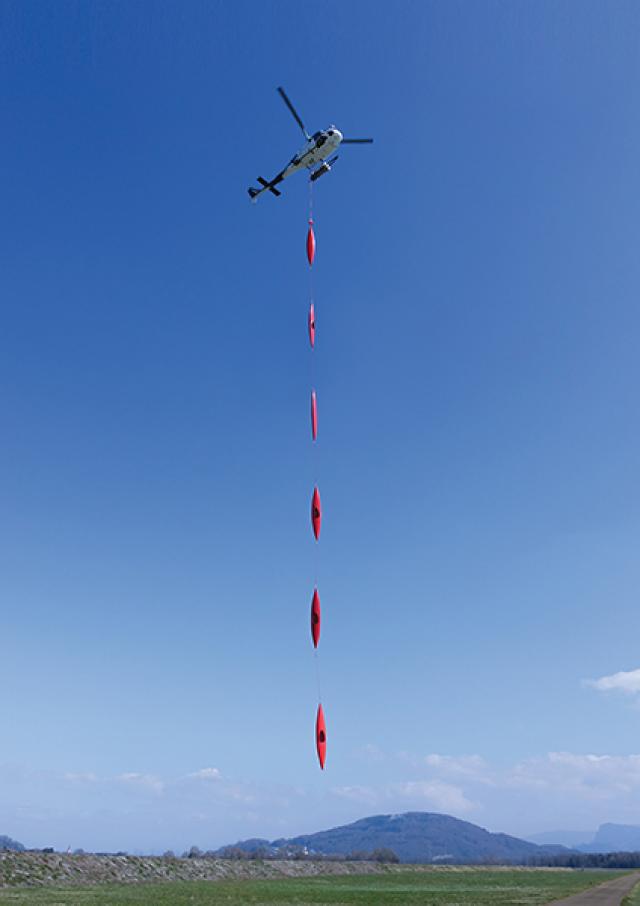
column 586, row 860
column 9, row 845
column 382, row 854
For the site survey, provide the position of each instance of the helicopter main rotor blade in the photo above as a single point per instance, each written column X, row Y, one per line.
column 293, row 110
column 356, row 141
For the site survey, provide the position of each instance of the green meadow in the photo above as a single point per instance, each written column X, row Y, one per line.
column 401, row 888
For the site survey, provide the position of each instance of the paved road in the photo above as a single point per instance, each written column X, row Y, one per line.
column 608, row 894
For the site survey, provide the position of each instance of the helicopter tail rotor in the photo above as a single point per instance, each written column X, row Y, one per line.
column 253, row 192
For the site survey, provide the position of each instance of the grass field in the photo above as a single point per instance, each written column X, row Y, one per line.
column 482, row 887
column 634, row 897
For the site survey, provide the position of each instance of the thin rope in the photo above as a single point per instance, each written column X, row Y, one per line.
column 312, row 357
column 314, row 452
column 315, row 658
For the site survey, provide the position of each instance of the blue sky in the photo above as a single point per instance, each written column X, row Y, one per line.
column 477, row 286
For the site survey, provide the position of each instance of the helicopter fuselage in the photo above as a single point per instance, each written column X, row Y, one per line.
column 320, row 146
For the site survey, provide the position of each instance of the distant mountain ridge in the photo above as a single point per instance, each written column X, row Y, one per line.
column 413, row 836
column 609, row 838
column 571, row 839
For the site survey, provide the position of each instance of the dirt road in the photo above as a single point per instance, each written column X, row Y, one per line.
column 608, row 894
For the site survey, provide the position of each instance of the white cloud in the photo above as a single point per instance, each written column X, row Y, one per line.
column 205, row 774
column 364, row 794
column 209, row 809
column 580, row 776
column 372, row 752
column 433, row 794
column 148, row 782
column 469, row 767
column 462, row 783
column 627, row 681
column 133, row 810
column 436, row 794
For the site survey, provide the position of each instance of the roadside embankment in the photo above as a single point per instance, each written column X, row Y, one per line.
column 46, row 869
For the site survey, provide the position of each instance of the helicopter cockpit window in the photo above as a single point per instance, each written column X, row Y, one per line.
column 321, row 140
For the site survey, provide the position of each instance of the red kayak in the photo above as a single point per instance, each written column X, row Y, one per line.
column 316, row 513
column 312, row 325
column 321, row 737
column 311, row 244
column 314, row 415
column 315, row 618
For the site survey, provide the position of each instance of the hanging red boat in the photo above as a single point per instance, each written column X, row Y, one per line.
column 311, row 244
column 316, row 513
column 312, row 325
column 315, row 618
column 321, row 737
column 314, row 415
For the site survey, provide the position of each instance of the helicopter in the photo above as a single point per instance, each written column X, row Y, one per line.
column 318, row 149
